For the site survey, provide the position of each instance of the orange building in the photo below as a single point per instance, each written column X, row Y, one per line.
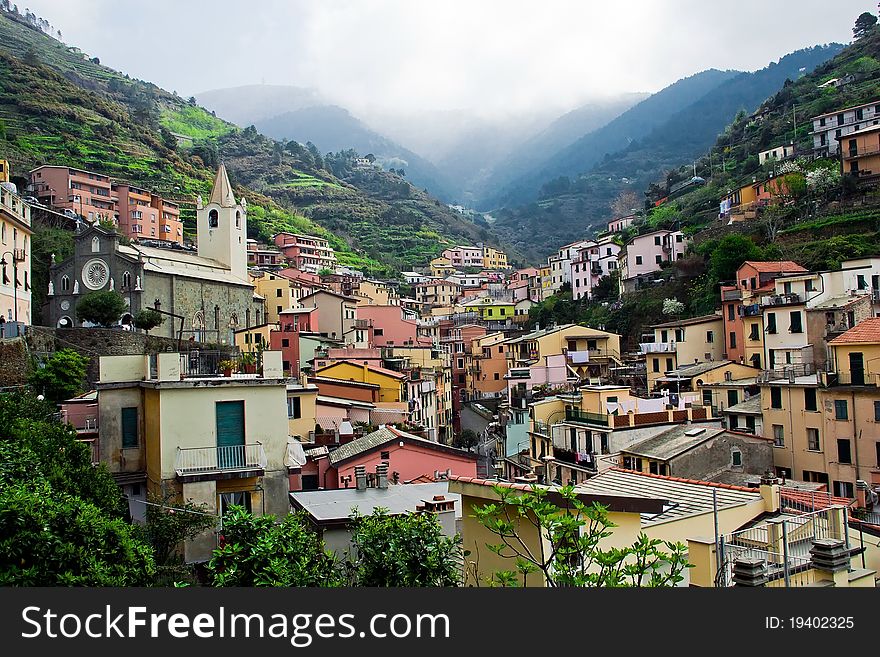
column 860, row 153
column 488, row 366
column 89, row 195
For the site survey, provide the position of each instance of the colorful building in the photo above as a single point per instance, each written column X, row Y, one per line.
column 15, row 261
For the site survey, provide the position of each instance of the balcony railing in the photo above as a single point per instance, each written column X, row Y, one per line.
column 731, row 295
column 578, row 356
column 657, row 347
column 781, row 300
column 751, row 310
column 585, row 417
column 852, row 379
column 208, row 460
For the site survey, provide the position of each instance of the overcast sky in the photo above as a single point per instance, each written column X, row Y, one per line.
column 496, row 56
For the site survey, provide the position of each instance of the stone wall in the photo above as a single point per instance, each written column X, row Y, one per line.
column 96, row 342
column 14, row 362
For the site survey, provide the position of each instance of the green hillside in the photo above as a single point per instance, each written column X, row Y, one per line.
column 58, row 106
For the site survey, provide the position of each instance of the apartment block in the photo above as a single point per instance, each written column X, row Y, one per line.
column 15, row 261
column 306, row 252
column 829, row 128
column 646, row 254
column 89, row 195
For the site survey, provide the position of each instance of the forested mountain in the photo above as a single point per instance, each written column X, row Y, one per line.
column 569, row 207
column 633, row 124
column 59, row 106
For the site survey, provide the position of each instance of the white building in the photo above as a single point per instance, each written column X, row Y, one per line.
column 827, row 128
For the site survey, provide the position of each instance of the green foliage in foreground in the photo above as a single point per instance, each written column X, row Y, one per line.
column 61, row 376
column 575, row 533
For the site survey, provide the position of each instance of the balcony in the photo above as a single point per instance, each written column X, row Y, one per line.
column 204, row 463
column 657, row 347
column 781, row 300
column 577, row 357
column 731, row 295
column 584, row 417
column 857, row 378
column 751, row 310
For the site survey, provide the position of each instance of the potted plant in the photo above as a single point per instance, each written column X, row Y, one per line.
column 226, row 366
column 249, row 362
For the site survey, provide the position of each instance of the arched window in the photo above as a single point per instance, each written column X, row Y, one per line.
column 65, row 322
column 96, row 245
column 65, row 284
column 126, row 280
column 238, row 219
column 233, row 321
column 198, row 325
column 213, row 219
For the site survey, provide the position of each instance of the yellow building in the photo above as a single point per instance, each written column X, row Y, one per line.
column 693, row 377
column 254, row 338
column 491, row 310
column 211, row 439
column 392, row 385
column 441, row 267
column 376, row 293
column 301, row 409
column 589, row 352
column 278, row 293
column 681, row 343
column 494, row 259
column 4, row 171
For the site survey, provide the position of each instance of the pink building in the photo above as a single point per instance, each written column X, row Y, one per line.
column 260, row 255
column 620, row 223
column 464, row 256
column 388, row 328
column 408, row 457
column 646, row 254
column 593, row 262
column 90, row 195
column 306, row 252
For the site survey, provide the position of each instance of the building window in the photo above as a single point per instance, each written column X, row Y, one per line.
column 669, row 365
column 129, row 427
column 285, row 342
column 237, row 219
column 844, row 489
column 638, row 259
column 844, row 453
column 242, row 498
column 65, row 284
column 771, row 322
column 810, row 402
column 733, row 339
column 213, row 219
column 731, row 313
column 775, row 397
column 294, row 408
column 841, row 411
column 877, row 411
column 679, row 335
column 753, row 335
column 778, row 435
column 657, row 240
column 732, row 398
column 707, row 397
column 710, row 336
column 658, row 259
column 736, row 458
column 813, row 439
column 796, row 326
column 656, row 365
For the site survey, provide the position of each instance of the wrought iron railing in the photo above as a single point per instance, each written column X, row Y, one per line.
column 576, row 415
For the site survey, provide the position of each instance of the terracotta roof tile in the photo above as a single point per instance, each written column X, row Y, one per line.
column 774, row 266
column 868, row 330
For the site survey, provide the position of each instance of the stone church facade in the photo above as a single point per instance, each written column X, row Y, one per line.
column 208, row 289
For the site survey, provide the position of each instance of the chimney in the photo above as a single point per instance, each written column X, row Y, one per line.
column 360, row 476
column 382, row 476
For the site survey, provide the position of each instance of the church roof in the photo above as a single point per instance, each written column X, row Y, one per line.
column 177, row 263
column 222, row 193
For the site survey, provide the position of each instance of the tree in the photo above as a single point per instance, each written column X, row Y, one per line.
column 403, row 550
column 262, row 551
column 672, row 307
column 61, row 375
column 166, row 526
column 729, row 253
column 103, row 308
column 62, row 519
column 864, row 24
column 147, row 319
column 573, row 531
column 53, row 538
column 468, row 438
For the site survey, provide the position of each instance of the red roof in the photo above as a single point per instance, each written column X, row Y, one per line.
column 816, row 500
column 372, row 368
column 774, row 266
column 868, row 330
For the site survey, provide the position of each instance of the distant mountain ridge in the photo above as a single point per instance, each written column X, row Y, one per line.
column 633, row 124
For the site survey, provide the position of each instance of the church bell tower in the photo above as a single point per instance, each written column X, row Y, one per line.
column 222, row 227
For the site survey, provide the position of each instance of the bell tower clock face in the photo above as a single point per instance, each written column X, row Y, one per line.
column 95, row 274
